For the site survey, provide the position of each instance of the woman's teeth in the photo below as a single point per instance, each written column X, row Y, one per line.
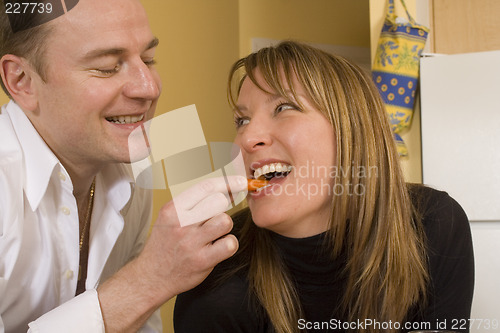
column 125, row 119
column 272, row 168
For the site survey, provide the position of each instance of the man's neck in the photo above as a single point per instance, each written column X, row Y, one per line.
column 82, row 177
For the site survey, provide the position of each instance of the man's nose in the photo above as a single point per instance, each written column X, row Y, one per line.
column 143, row 82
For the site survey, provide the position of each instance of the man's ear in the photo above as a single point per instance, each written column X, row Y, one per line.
column 17, row 76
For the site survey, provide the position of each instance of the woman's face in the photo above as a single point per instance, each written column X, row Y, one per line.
column 297, row 147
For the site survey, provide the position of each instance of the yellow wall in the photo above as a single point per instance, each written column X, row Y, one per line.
column 336, row 22
column 3, row 98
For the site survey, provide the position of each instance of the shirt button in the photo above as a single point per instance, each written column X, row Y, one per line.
column 62, row 176
column 65, row 210
column 69, row 274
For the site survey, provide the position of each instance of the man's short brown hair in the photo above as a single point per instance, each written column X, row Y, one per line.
column 28, row 43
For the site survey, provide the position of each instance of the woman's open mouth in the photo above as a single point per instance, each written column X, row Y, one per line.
column 272, row 172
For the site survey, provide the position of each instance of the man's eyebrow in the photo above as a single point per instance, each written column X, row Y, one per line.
column 102, row 53
column 153, row 43
column 117, row 51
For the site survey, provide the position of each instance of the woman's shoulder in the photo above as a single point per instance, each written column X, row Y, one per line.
column 448, row 244
column 437, row 209
column 445, row 224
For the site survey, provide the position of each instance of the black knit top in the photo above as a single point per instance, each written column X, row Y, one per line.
column 319, row 281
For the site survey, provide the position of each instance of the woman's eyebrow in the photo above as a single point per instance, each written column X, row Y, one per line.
column 288, row 95
column 272, row 98
column 239, row 108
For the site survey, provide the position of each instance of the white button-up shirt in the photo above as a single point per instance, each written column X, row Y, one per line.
column 39, row 234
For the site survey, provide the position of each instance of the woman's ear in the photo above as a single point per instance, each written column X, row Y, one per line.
column 17, row 76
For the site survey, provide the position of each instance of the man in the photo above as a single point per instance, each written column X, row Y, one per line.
column 71, row 219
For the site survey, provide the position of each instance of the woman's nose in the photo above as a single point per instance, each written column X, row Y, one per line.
column 256, row 135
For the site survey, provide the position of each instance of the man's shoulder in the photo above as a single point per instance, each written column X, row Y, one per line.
column 11, row 157
column 10, row 149
column 11, row 173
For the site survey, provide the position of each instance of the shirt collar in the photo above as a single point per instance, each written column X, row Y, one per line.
column 39, row 160
column 118, row 184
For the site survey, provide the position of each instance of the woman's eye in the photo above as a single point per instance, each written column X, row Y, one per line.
column 285, row 106
column 241, row 121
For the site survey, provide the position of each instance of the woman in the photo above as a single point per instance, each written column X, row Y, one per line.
column 337, row 241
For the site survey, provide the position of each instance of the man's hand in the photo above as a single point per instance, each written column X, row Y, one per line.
column 175, row 258
column 178, row 258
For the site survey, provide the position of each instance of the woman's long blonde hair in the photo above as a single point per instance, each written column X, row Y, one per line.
column 386, row 267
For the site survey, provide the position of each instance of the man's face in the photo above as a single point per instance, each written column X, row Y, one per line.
column 100, row 83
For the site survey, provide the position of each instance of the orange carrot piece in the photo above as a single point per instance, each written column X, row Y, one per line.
column 254, row 184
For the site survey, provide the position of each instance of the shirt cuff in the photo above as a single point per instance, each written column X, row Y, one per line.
column 81, row 314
